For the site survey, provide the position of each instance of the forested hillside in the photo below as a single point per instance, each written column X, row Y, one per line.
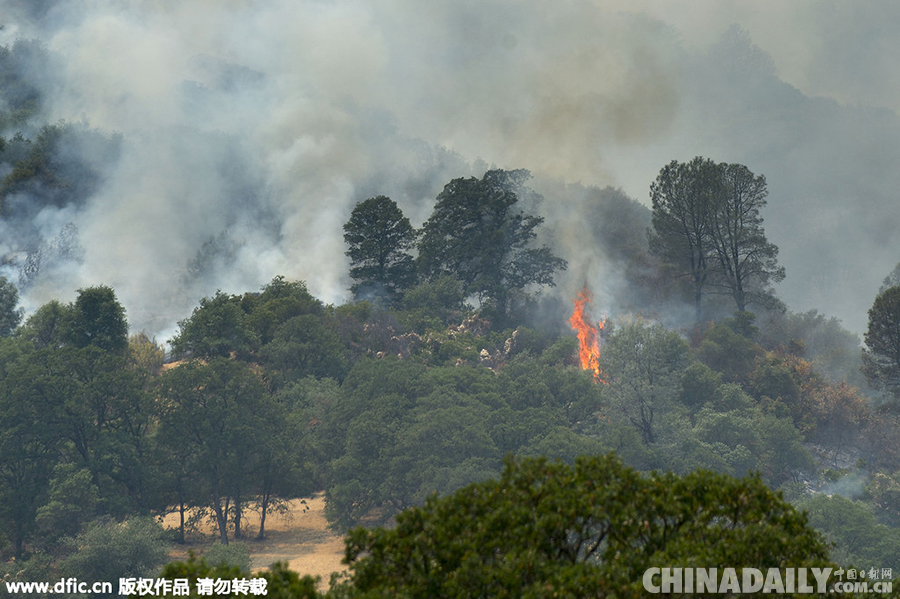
column 447, row 367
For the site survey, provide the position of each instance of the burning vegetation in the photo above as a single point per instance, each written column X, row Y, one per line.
column 588, row 334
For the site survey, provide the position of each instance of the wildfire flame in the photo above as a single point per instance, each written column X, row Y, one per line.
column 588, row 334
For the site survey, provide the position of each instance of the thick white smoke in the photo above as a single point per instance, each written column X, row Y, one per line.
column 251, row 128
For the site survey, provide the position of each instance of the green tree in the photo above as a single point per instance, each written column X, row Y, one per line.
column 727, row 352
column 477, row 234
column 97, row 318
column 45, row 328
column 707, row 227
column 892, row 280
column 643, row 365
column 399, row 432
column 699, row 385
column 857, row 536
column 217, row 420
column 282, row 464
column 109, row 550
column 72, row 503
column 278, row 302
column 433, row 304
column 215, row 328
column 59, row 166
column 378, row 237
column 747, row 261
column 103, row 410
column 884, row 490
column 589, row 530
column 42, row 171
column 10, row 314
column 178, row 485
column 881, row 355
column 95, row 408
column 742, row 439
column 683, row 196
column 303, row 346
column 29, row 448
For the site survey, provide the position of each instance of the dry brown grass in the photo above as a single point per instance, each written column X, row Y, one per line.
column 300, row 537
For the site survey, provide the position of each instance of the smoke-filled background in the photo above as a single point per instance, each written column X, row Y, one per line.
column 213, row 144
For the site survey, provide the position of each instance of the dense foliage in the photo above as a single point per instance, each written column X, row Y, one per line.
column 546, row 529
column 276, row 396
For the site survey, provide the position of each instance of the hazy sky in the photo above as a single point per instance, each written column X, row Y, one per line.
column 258, row 125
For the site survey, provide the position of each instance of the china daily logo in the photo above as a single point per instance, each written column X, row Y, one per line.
column 754, row 580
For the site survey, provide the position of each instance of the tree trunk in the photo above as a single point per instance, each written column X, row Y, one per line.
column 19, row 544
column 740, row 298
column 221, row 519
column 698, row 296
column 262, row 517
column 181, row 509
column 238, row 509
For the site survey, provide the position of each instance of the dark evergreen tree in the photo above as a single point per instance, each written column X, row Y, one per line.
column 478, row 235
column 378, row 237
column 747, row 262
column 707, row 227
column 683, row 196
column 881, row 356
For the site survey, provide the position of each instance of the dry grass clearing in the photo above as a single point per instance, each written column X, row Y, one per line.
column 300, row 537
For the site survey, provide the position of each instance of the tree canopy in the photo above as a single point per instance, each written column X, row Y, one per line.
column 682, row 197
column 881, row 356
column 589, row 530
column 217, row 420
column 378, row 238
column 642, row 364
column 98, row 319
column 747, row 262
column 216, row 328
column 707, row 227
column 10, row 314
column 477, row 234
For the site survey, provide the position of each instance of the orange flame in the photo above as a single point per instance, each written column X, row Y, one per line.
column 588, row 334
